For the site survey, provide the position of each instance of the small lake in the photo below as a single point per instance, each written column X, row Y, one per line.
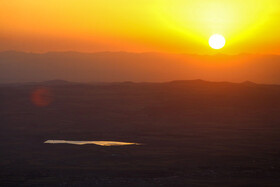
column 101, row 143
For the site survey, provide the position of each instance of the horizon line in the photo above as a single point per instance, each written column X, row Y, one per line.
column 140, row 82
column 147, row 52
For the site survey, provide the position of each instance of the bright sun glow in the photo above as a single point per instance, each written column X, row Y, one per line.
column 217, row 41
column 172, row 26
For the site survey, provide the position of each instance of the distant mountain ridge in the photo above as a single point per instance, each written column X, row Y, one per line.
column 136, row 67
column 177, row 83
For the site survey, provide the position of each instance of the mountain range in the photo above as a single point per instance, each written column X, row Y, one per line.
column 138, row 67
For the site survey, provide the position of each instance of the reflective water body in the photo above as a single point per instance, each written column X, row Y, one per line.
column 101, row 143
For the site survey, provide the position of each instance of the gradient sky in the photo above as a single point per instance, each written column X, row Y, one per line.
column 174, row 26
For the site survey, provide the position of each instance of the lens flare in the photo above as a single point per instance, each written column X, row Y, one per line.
column 41, row 97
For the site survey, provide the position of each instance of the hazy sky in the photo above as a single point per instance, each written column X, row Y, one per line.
column 175, row 26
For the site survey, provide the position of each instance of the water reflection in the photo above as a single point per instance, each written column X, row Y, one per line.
column 101, row 143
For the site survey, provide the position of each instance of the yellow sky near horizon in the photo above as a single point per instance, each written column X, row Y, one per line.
column 177, row 26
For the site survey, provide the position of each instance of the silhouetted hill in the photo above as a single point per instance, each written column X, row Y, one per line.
column 137, row 67
column 57, row 82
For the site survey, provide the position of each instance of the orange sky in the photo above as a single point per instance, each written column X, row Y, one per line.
column 177, row 26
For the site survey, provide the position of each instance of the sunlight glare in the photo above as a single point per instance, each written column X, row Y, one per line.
column 217, row 41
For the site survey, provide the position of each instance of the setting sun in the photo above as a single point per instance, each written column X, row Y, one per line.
column 89, row 89
column 217, row 41
column 139, row 26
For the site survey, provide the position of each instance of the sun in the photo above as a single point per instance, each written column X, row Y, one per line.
column 217, row 41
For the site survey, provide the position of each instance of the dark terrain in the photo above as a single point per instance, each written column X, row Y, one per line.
column 194, row 133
